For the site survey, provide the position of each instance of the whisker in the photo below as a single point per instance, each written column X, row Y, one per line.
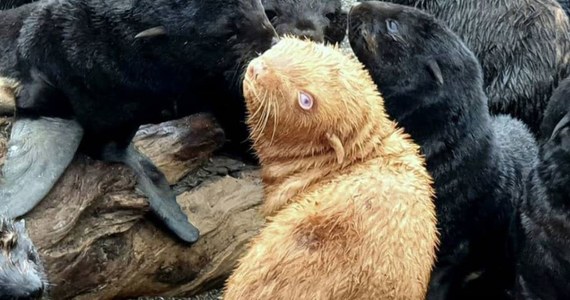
column 275, row 113
column 237, row 75
column 260, row 105
column 265, row 117
column 257, row 128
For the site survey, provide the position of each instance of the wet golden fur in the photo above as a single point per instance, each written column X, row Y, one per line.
column 348, row 199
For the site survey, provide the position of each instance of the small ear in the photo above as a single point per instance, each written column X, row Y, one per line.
column 435, row 71
column 8, row 241
column 337, row 147
column 561, row 124
column 151, row 32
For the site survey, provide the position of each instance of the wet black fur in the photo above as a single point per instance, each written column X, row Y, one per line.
column 433, row 87
column 318, row 20
column 22, row 275
column 543, row 224
column 93, row 69
column 79, row 60
column 523, row 47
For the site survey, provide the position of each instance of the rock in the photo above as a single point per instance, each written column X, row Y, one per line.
column 178, row 146
column 98, row 239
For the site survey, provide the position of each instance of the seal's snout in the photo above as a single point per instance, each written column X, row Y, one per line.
column 256, row 68
column 308, row 29
column 32, row 293
column 356, row 8
column 37, row 293
column 21, row 280
column 357, row 16
column 28, row 293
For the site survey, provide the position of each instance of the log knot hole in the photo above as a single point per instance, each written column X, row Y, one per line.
column 178, row 274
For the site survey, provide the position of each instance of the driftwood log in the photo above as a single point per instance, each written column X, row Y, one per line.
column 99, row 240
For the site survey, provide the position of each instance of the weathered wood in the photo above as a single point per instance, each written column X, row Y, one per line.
column 99, row 241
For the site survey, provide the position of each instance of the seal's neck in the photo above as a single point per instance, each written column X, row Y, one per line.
column 439, row 122
column 286, row 177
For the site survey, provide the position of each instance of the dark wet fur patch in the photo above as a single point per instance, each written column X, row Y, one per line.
column 81, row 60
column 542, row 227
column 433, row 86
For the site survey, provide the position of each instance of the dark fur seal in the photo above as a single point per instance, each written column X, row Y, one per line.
column 432, row 85
column 523, row 47
column 318, row 20
column 542, row 227
column 91, row 71
column 22, row 275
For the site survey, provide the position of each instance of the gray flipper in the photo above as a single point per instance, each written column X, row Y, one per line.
column 154, row 185
column 39, row 151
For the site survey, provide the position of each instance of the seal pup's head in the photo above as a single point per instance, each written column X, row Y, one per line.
column 22, row 274
column 308, row 100
column 215, row 35
column 318, row 20
column 410, row 52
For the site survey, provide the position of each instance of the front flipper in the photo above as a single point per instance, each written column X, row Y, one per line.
column 154, row 185
column 39, row 151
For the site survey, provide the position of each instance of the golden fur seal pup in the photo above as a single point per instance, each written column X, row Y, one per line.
column 350, row 198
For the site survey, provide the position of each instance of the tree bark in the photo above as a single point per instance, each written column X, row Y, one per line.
column 98, row 239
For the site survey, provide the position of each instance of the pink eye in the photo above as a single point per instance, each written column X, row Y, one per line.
column 305, row 101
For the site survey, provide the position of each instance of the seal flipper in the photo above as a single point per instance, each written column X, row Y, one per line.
column 39, row 151
column 154, row 185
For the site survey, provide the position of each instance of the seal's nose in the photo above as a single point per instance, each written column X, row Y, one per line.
column 256, row 67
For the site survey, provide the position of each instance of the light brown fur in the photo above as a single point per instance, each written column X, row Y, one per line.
column 348, row 199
